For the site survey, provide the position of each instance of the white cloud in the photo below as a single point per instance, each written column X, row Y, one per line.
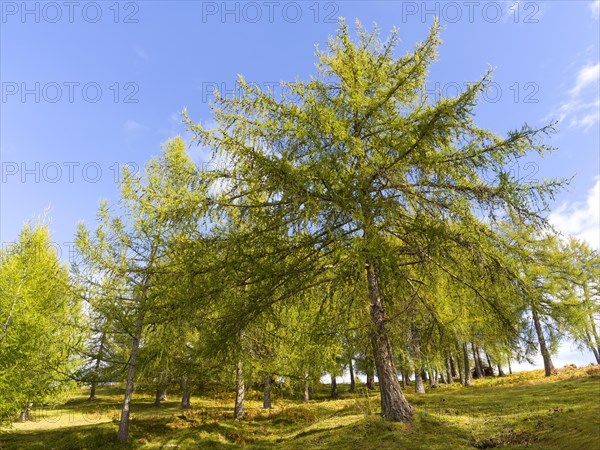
column 580, row 219
column 582, row 104
column 140, row 52
column 131, row 126
column 595, row 8
column 587, row 76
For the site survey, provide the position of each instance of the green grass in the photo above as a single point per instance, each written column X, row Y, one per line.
column 525, row 410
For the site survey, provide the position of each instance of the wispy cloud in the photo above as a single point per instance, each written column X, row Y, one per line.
column 131, row 126
column 595, row 8
column 581, row 108
column 581, row 219
column 141, row 53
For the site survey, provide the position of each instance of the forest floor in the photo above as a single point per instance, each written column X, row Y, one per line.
column 523, row 410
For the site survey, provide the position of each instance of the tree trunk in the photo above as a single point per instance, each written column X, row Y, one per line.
column 405, row 377
column 394, row 406
column 466, row 369
column 92, row 396
column 371, row 380
column 419, row 386
column 267, row 392
column 123, row 433
column 185, row 398
column 500, row 372
column 238, row 411
column 161, row 395
column 477, row 362
column 453, row 366
column 334, row 391
column 26, row 413
column 449, row 375
column 352, row 381
column 509, row 368
column 489, row 361
column 548, row 366
column 306, row 389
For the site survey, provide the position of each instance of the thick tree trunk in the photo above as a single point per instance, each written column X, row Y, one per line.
column 185, row 399
column 466, row 368
column 267, row 392
column 477, row 362
column 161, row 396
column 548, row 366
column 352, row 381
column 419, row 386
column 371, row 380
column 240, row 390
column 123, row 433
column 394, row 406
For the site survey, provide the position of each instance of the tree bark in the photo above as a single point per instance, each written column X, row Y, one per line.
column 267, row 392
column 453, row 366
column 306, row 389
column 509, row 367
column 334, row 391
column 370, row 380
column 352, row 381
column 419, row 386
column 449, row 378
column 123, row 433
column 466, row 369
column 161, row 395
column 548, row 366
column 394, row 406
column 238, row 411
column 186, row 398
column 500, row 371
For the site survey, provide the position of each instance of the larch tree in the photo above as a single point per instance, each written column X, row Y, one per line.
column 360, row 160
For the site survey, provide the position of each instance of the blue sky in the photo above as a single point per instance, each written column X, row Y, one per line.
column 90, row 86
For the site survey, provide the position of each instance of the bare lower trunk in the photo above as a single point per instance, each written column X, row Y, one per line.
column 449, row 379
column 405, row 377
column 185, row 399
column 26, row 413
column 161, row 395
column 334, row 391
column 124, row 423
column 267, row 392
column 466, row 369
column 92, row 396
column 548, row 366
column 370, row 380
column 306, row 389
column 352, row 381
column 500, row 371
column 509, row 367
column 238, row 411
column 394, row 406
column 453, row 366
column 419, row 386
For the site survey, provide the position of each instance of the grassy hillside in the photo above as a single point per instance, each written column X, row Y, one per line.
column 524, row 410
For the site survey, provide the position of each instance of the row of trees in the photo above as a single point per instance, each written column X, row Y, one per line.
column 350, row 224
